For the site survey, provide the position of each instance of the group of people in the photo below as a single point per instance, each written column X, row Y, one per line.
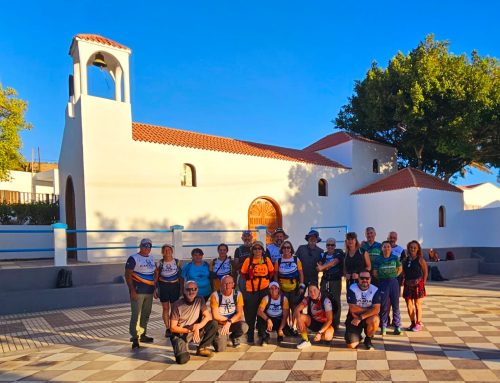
column 276, row 288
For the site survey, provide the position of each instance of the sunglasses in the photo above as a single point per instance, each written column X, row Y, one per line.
column 258, row 248
column 330, row 244
column 364, row 278
column 286, row 247
column 191, row 289
column 147, row 245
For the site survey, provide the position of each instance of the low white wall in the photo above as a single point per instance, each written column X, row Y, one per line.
column 26, row 241
column 480, row 228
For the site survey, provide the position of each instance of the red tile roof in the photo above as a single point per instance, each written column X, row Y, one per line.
column 98, row 39
column 184, row 138
column 337, row 139
column 407, row 178
column 470, row 186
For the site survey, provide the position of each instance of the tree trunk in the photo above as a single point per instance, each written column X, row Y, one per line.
column 418, row 152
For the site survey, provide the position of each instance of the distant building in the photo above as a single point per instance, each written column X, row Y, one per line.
column 26, row 187
column 480, row 196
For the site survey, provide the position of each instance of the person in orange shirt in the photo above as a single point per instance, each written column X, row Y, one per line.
column 257, row 270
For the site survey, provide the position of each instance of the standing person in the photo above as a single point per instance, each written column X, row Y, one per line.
column 319, row 317
column 191, row 320
column 221, row 266
column 392, row 237
column 355, row 259
column 257, row 271
column 273, row 249
column 415, row 273
column 310, row 255
column 227, row 310
column 167, row 280
column 273, row 314
column 198, row 270
column 373, row 248
column 139, row 275
column 241, row 253
column 332, row 266
column 387, row 269
column 290, row 276
column 364, row 308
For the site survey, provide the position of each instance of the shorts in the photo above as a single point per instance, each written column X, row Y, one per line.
column 169, row 292
column 315, row 326
column 353, row 333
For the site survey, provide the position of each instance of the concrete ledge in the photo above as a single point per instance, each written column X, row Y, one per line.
column 17, row 302
column 457, row 268
column 492, row 268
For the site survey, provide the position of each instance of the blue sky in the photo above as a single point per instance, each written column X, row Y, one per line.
column 265, row 71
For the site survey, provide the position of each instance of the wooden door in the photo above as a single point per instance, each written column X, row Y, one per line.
column 263, row 211
column 69, row 202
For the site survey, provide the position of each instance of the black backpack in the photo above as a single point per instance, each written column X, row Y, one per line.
column 64, row 278
column 282, row 298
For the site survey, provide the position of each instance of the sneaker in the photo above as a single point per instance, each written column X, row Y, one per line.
column 417, row 327
column 146, row 339
column 304, row 344
column 383, row 331
column 368, row 343
column 250, row 339
column 411, row 327
column 168, row 333
column 202, row 351
column 236, row 342
column 135, row 343
column 280, row 338
column 397, row 331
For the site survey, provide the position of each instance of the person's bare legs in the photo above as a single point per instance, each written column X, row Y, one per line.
column 166, row 314
column 418, row 309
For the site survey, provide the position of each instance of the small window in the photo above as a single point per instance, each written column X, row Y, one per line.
column 442, row 216
column 188, row 176
column 322, row 188
column 376, row 168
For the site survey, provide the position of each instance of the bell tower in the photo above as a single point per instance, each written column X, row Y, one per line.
column 96, row 134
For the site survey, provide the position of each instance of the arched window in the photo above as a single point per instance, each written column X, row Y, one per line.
column 376, row 167
column 322, row 188
column 442, row 216
column 188, row 175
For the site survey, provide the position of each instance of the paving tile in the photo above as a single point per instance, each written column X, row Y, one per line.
column 309, row 365
column 408, row 376
column 73, row 376
column 204, row 376
column 304, row 375
column 340, row 365
column 247, row 365
column 284, row 356
column 373, row 375
column 478, row 375
column 138, row 376
column 278, row 365
column 372, row 365
column 443, row 375
column 271, row 376
column 404, row 364
column 436, row 364
column 342, row 355
column 237, row 376
column 170, row 375
column 468, row 364
column 339, row 376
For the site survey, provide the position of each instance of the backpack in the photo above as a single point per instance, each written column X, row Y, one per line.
column 213, row 273
column 235, row 298
column 324, row 295
column 250, row 274
column 282, row 298
column 292, row 279
column 64, row 278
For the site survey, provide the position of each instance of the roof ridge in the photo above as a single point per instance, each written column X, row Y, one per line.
column 412, row 176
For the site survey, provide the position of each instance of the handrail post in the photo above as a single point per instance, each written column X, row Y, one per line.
column 60, row 255
column 177, row 240
column 261, row 234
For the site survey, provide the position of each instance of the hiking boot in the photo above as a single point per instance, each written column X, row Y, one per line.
column 135, row 343
column 280, row 338
column 168, row 333
column 250, row 339
column 146, row 339
column 383, row 331
column 202, row 351
column 397, row 331
column 264, row 340
column 411, row 327
column 304, row 344
column 236, row 342
column 368, row 343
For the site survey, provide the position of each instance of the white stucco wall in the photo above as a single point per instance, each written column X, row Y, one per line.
column 26, row 241
column 480, row 228
column 341, row 153
column 486, row 195
column 19, row 181
column 387, row 211
column 429, row 232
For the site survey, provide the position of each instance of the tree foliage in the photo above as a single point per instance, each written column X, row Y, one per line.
column 12, row 121
column 441, row 111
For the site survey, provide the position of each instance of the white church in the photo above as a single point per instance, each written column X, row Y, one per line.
column 115, row 173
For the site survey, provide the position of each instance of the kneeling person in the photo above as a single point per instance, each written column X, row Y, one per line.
column 319, row 317
column 272, row 314
column 227, row 310
column 191, row 320
column 364, row 306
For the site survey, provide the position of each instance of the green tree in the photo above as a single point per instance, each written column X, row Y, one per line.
column 12, row 121
column 441, row 111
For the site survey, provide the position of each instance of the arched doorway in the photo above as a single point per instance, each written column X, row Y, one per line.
column 69, row 205
column 264, row 211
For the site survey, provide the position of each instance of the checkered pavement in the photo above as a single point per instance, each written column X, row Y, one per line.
column 460, row 342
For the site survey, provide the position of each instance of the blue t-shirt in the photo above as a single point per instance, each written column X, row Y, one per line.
column 335, row 272
column 200, row 274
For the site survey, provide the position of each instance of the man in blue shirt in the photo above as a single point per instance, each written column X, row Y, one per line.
column 139, row 275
